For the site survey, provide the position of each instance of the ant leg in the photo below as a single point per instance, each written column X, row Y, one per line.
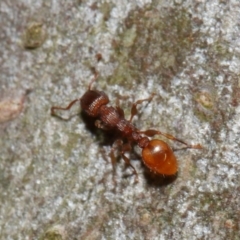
column 134, row 106
column 74, row 101
column 126, row 148
column 116, row 144
column 119, row 109
column 62, row 108
column 152, row 132
column 101, row 125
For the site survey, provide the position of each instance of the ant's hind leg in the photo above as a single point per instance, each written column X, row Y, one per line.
column 152, row 132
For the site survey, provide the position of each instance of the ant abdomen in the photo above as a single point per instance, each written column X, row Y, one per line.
column 92, row 100
column 159, row 158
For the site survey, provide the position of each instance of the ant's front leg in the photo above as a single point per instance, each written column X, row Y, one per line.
column 119, row 109
column 152, row 132
column 62, row 108
column 101, row 125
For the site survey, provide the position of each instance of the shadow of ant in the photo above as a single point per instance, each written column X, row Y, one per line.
column 104, row 137
column 157, row 180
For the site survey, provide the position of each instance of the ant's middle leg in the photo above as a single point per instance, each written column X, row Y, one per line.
column 115, row 146
column 152, row 132
column 124, row 148
column 134, row 106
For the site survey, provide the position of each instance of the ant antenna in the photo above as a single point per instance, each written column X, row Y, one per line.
column 93, row 80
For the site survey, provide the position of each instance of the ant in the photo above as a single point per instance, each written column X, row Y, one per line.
column 157, row 156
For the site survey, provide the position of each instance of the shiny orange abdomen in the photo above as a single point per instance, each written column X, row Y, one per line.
column 159, row 158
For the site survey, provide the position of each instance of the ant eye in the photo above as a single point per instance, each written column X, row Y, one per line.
column 91, row 101
column 159, row 158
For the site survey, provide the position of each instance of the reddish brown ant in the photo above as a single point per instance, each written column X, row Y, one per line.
column 156, row 154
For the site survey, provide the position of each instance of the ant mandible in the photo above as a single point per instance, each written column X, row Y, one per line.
column 157, row 156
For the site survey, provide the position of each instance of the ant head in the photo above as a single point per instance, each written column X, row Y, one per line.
column 92, row 100
column 159, row 158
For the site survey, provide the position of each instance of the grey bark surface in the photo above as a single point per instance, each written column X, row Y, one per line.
column 56, row 178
